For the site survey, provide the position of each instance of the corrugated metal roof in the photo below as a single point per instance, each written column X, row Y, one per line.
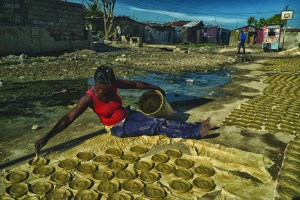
column 178, row 23
column 192, row 24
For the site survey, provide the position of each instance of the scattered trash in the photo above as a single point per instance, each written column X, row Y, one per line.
column 62, row 91
column 190, row 81
column 12, row 57
column 35, row 127
column 121, row 60
column 211, row 93
column 72, row 106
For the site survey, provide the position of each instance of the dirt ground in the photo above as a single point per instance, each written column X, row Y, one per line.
column 222, row 148
column 125, row 60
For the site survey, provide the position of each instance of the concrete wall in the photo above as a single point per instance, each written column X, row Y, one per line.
column 191, row 35
column 40, row 26
column 234, row 37
column 291, row 40
column 213, row 35
column 129, row 27
column 159, row 35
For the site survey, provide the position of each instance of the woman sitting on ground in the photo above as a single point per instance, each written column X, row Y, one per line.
column 103, row 99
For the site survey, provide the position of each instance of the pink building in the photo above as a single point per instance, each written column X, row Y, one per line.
column 254, row 35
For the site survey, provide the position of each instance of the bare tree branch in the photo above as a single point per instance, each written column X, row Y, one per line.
column 107, row 7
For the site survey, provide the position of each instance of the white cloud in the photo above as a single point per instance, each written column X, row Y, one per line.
column 184, row 16
column 162, row 12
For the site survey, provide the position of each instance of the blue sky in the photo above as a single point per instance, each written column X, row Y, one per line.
column 225, row 13
column 228, row 14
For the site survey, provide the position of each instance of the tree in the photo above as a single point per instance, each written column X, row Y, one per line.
column 261, row 22
column 276, row 19
column 107, row 7
column 251, row 21
column 92, row 10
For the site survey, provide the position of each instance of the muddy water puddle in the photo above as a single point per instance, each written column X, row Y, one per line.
column 178, row 88
column 43, row 103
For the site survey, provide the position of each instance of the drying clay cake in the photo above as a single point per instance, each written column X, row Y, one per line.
column 114, row 152
column 81, row 184
column 85, row 156
column 119, row 195
column 109, row 187
column 160, row 158
column 68, row 164
column 180, row 186
column 130, row 158
column 41, row 188
column 126, row 174
column 164, row 168
column 86, row 168
column 174, row 153
column 103, row 174
column 138, row 150
column 185, row 163
column 143, row 166
column 134, row 186
column 117, row 165
column 17, row 190
column 16, row 176
column 154, row 192
column 59, row 194
column 183, row 174
column 149, row 176
column 61, row 178
column 103, row 159
column 204, row 170
column 38, row 161
column 43, row 171
column 87, row 194
column 204, row 184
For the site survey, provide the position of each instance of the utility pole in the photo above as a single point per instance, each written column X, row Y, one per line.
column 285, row 26
column 215, row 20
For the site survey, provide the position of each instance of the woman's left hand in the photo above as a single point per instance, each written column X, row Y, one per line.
column 162, row 91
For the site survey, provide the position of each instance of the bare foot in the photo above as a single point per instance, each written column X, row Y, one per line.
column 205, row 127
column 205, row 122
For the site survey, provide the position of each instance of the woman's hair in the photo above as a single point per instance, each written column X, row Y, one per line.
column 105, row 75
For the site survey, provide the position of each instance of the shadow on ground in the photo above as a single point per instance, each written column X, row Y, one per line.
column 105, row 48
column 61, row 147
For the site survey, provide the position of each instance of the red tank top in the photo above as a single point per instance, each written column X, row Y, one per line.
column 110, row 113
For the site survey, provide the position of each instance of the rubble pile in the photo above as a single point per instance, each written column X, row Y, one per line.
column 125, row 61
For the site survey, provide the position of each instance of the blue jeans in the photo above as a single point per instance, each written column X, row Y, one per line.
column 241, row 44
column 137, row 124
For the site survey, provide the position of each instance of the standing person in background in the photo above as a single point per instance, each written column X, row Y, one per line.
column 205, row 37
column 119, row 33
column 242, row 40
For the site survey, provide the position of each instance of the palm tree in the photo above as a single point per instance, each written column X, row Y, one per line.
column 251, row 21
column 92, row 10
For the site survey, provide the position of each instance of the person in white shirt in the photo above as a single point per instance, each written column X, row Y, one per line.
column 119, row 33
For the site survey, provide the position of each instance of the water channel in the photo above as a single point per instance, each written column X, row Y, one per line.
column 43, row 103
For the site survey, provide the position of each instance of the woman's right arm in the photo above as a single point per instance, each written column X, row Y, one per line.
column 65, row 121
